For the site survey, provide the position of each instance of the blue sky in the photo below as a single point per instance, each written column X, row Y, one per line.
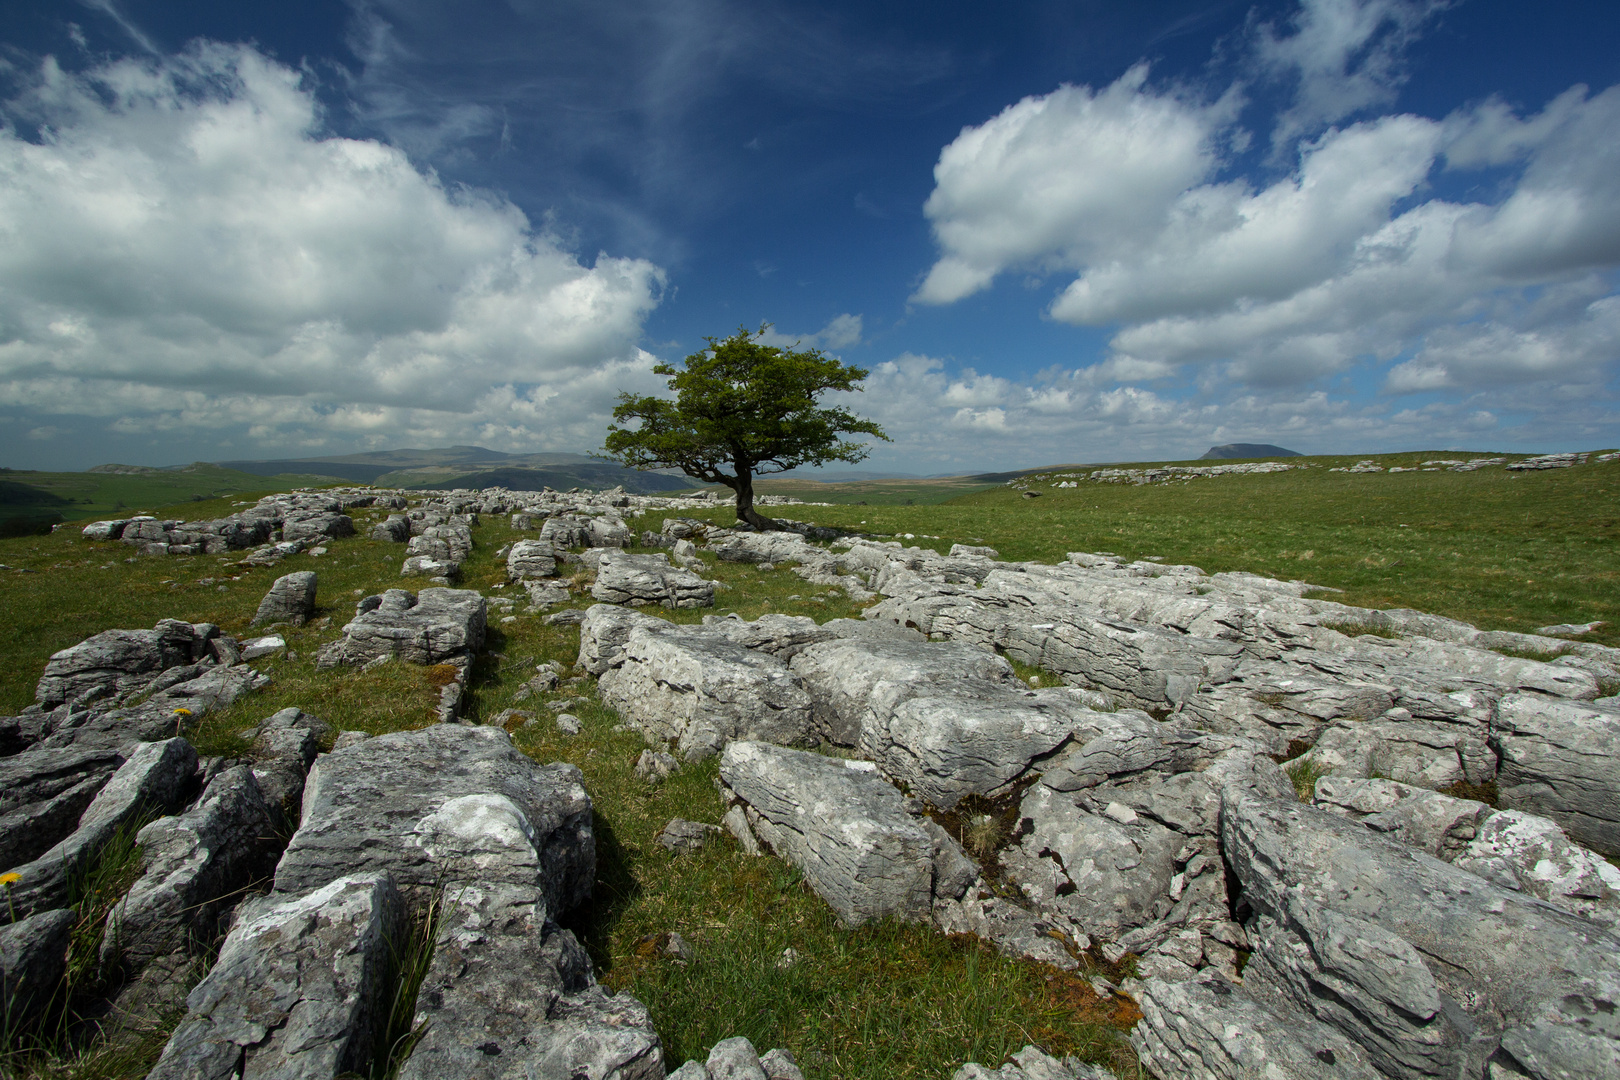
column 1053, row 232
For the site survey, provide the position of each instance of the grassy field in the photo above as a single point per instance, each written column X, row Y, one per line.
column 1510, row 551
column 30, row 499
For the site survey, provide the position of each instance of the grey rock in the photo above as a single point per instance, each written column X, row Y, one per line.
column 435, row 626
column 437, row 551
column 701, row 692
column 572, row 617
column 1559, row 629
column 655, row 765
column 193, row 867
column 1431, row 969
column 295, row 988
column 734, row 1059
column 294, row 719
column 117, row 661
column 507, row 995
column 842, row 674
column 1418, row 752
column 967, row 737
column 105, row 530
column 33, row 960
column 396, row 529
column 1032, row 1063
column 604, row 630
column 766, row 547
column 1558, row 760
column 530, row 559
column 257, row 648
column 1108, row 875
column 42, row 794
column 1531, row 854
column 735, row 822
column 841, row 824
column 315, row 526
column 415, row 803
column 954, row 872
column 1208, row 1027
column 568, row 723
column 780, row 1065
column 1438, row 824
column 783, row 636
column 157, row 776
column 640, row 580
column 290, row 600
column 680, row 836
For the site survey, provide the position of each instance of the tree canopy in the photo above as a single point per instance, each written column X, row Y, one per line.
column 743, row 406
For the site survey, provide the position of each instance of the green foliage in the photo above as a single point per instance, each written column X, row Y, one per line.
column 1304, row 773
column 745, row 407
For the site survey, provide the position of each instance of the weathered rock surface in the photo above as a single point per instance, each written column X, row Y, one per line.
column 530, row 559
column 42, row 795
column 1430, row 969
column 291, row 600
column 1531, row 854
column 639, row 580
column 736, row 1059
column 438, row 551
column 842, row 675
column 295, row 989
column 395, row 802
column 193, row 867
column 435, row 626
column 841, row 823
column 33, row 959
column 119, row 661
column 1559, row 760
column 700, row 691
column 1031, row 1063
column 1427, row 820
column 157, row 775
column 1209, row 1027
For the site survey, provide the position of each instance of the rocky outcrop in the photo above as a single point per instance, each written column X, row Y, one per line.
column 839, row 822
column 432, row 627
column 117, row 663
column 1430, row 969
column 530, row 559
column 295, row 989
column 639, row 580
column 33, row 959
column 291, row 600
column 157, row 775
column 1558, row 760
column 438, row 551
column 692, row 687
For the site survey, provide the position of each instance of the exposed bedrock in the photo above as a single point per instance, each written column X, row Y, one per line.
column 448, row 816
column 649, row 579
column 1432, row 970
column 434, row 626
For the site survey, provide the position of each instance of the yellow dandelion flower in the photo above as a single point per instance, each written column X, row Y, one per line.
column 182, row 712
column 11, row 878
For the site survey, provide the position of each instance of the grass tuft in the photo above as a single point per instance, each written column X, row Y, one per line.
column 1303, row 773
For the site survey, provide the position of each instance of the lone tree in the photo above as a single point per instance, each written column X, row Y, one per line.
column 744, row 406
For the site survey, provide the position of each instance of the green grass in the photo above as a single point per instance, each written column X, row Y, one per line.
column 1505, row 551
column 44, row 497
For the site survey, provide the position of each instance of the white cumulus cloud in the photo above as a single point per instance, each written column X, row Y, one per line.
column 1344, row 259
column 182, row 244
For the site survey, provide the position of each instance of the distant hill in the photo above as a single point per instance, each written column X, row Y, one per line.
column 1246, row 450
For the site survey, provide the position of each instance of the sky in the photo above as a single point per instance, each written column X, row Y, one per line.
column 1051, row 231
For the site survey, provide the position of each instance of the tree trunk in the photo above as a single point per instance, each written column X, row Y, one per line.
column 745, row 502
